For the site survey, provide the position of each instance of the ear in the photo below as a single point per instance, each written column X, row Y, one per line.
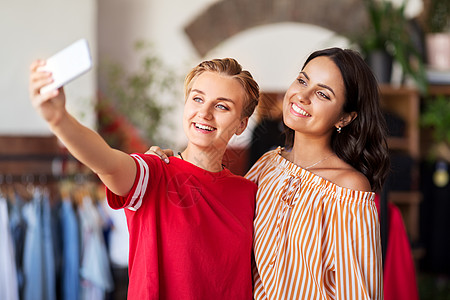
column 346, row 119
column 242, row 125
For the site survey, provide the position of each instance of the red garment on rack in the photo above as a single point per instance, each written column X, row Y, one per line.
column 399, row 271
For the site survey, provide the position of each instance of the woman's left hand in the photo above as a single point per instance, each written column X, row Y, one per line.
column 162, row 153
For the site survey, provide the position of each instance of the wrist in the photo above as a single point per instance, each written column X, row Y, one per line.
column 58, row 120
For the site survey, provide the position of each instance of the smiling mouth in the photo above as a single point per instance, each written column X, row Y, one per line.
column 204, row 127
column 298, row 110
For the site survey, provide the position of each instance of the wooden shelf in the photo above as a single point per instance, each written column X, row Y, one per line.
column 436, row 90
column 398, row 143
column 23, row 155
column 405, row 197
column 404, row 102
column 408, row 203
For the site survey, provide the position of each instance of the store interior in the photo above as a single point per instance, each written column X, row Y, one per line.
column 140, row 39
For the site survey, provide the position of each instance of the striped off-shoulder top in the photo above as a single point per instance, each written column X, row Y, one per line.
column 312, row 238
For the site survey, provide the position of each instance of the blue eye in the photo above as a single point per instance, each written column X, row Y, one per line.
column 197, row 99
column 222, row 107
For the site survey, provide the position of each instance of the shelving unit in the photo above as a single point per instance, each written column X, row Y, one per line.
column 405, row 103
column 435, row 205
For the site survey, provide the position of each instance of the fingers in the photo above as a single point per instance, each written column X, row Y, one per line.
column 50, row 105
column 168, row 152
column 36, row 64
column 155, row 150
column 38, row 79
column 152, row 150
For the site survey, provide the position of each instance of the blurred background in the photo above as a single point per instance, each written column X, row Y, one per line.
column 133, row 96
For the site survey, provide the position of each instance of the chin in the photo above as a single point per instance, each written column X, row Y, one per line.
column 289, row 122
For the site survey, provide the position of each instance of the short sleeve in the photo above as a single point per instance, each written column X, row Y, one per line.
column 134, row 198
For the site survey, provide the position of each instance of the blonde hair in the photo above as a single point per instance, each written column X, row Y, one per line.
column 229, row 67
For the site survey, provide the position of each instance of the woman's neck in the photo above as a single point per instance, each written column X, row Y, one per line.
column 307, row 151
column 209, row 160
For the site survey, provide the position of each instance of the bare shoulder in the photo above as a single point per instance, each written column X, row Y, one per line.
column 344, row 175
column 352, row 179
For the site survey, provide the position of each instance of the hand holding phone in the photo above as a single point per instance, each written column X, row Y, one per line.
column 67, row 64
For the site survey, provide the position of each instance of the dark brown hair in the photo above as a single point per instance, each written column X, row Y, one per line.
column 362, row 143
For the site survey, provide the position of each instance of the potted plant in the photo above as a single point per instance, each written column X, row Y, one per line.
column 437, row 23
column 436, row 117
column 130, row 110
column 389, row 36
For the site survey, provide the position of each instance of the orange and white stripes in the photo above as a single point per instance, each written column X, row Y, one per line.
column 312, row 239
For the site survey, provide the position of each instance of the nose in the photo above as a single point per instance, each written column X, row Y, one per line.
column 206, row 112
column 304, row 96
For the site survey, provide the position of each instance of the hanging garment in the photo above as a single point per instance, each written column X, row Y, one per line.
column 8, row 275
column 118, row 237
column 39, row 267
column 399, row 271
column 71, row 252
column 18, row 228
column 96, row 278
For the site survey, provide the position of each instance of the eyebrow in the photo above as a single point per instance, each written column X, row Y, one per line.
column 320, row 84
column 219, row 98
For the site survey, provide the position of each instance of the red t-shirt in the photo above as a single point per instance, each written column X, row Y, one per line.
column 190, row 231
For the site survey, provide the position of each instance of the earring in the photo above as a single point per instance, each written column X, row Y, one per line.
column 339, row 129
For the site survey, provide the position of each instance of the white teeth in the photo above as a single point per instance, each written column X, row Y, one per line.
column 300, row 111
column 204, row 127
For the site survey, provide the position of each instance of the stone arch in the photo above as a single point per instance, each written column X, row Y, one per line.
column 229, row 17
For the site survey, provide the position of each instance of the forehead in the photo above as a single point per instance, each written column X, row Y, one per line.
column 215, row 85
column 323, row 70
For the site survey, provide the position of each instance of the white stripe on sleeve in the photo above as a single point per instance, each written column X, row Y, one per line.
column 136, row 199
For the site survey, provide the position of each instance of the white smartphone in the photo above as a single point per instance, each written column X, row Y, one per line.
column 68, row 64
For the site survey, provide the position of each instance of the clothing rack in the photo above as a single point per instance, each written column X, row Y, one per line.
column 30, row 165
column 27, row 162
column 42, row 212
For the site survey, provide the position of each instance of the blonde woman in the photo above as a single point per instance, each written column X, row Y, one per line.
column 190, row 221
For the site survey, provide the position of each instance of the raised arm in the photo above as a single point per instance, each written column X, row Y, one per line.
column 116, row 169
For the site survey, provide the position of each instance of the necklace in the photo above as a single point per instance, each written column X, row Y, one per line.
column 322, row 160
